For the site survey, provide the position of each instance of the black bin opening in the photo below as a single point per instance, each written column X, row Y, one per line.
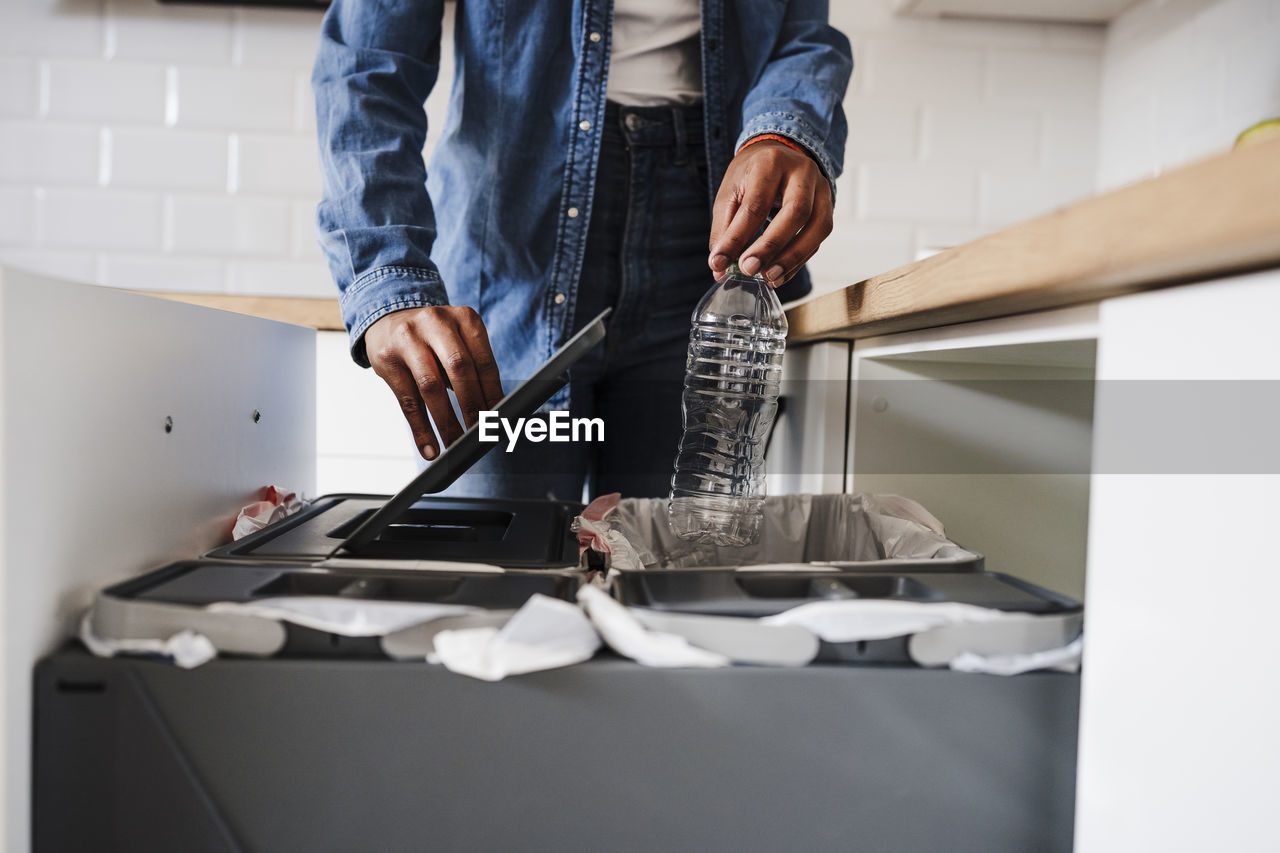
column 418, row 524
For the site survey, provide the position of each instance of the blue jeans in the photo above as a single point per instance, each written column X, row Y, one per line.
column 646, row 257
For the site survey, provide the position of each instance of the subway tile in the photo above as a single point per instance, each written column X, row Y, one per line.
column 280, row 278
column 304, row 105
column 1040, row 77
column 49, row 153
column 911, row 192
column 277, row 165
column 234, row 98
column 1070, row 137
column 59, row 263
column 930, row 239
column 109, row 91
column 1091, row 38
column 1010, row 196
column 229, row 225
column 986, row 32
column 162, row 272
column 278, row 37
column 922, row 71
column 859, row 250
column 875, row 16
column 306, row 246
column 976, row 134
column 168, row 159
column 67, row 28
column 143, row 29
column 101, row 219
column 1253, row 77
column 17, row 216
column 881, row 130
column 20, row 90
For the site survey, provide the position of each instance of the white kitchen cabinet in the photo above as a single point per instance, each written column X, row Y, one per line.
column 1154, row 495
column 133, row 429
column 1179, row 741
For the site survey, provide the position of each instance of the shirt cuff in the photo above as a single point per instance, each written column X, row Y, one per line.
column 796, row 129
column 383, row 291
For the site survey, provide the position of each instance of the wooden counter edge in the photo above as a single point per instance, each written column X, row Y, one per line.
column 321, row 314
column 1212, row 218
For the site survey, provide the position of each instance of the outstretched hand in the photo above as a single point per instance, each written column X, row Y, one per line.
column 764, row 176
column 422, row 352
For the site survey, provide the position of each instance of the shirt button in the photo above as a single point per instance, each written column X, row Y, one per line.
column 594, row 37
column 584, row 125
column 559, row 298
column 573, row 213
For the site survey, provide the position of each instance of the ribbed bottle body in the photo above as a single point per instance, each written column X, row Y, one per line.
column 730, row 399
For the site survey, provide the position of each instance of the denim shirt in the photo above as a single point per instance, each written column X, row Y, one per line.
column 500, row 222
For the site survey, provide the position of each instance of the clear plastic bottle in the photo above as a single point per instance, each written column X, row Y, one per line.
column 730, row 400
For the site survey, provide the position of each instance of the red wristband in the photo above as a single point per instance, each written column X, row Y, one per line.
column 772, row 137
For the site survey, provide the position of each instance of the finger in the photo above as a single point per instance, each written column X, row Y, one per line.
column 757, row 197
column 434, row 392
column 806, row 243
column 795, row 213
column 455, row 357
column 725, row 207
column 399, row 379
column 476, row 338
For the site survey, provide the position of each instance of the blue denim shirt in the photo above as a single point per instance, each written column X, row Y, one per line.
column 500, row 222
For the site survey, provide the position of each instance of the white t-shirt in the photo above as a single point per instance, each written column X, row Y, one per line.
column 656, row 53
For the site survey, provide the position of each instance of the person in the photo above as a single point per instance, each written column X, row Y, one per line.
column 597, row 153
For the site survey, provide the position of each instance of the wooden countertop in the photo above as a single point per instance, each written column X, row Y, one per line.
column 1212, row 218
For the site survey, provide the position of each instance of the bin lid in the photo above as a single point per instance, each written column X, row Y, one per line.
column 469, row 449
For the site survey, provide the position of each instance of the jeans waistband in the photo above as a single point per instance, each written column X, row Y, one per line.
column 673, row 126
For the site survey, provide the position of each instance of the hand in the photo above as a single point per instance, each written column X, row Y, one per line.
column 764, row 176
column 419, row 353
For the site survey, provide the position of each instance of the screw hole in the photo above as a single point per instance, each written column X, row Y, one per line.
column 168, row 424
column 257, row 416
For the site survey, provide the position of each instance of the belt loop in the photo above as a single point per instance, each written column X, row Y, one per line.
column 677, row 123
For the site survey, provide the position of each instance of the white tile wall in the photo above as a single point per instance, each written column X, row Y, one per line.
column 257, row 99
column 1181, row 79
column 104, row 91
column 228, row 225
column 943, row 115
column 159, row 145
column 166, row 159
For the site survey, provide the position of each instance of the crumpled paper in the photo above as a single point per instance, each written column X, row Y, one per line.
column 597, row 532
column 848, row 621
column 626, row 636
column 186, row 649
column 273, row 504
column 349, row 617
column 546, row 633
column 1065, row 659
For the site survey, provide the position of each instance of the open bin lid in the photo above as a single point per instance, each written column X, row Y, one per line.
column 412, row 525
column 468, row 450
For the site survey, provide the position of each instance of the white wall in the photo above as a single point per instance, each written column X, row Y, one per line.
column 149, row 145
column 1181, row 79
column 957, row 128
column 156, row 146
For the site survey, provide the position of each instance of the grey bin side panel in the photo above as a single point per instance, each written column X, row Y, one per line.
column 363, row 755
column 108, row 774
